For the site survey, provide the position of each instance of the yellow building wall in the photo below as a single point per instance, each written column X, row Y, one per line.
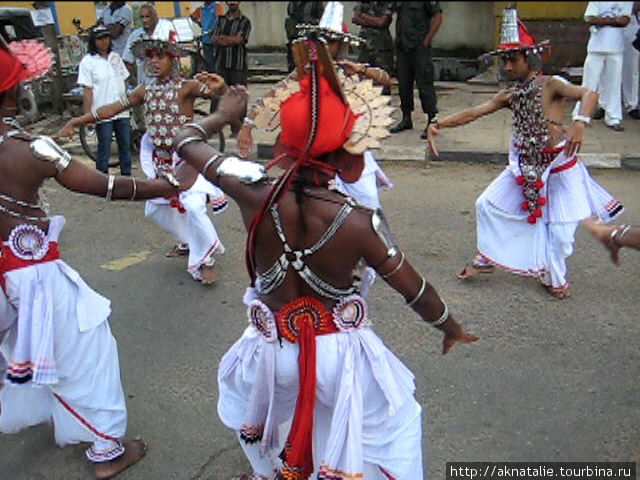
column 86, row 12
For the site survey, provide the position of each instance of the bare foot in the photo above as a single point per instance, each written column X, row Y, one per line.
column 134, row 450
column 559, row 292
column 209, row 275
column 177, row 250
column 470, row 271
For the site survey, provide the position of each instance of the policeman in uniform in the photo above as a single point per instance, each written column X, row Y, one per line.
column 374, row 19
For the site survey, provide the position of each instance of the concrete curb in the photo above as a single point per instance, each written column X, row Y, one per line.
column 397, row 153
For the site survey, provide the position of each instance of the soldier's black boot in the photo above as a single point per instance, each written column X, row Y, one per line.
column 405, row 124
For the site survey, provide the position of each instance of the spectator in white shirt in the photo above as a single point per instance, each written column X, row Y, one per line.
column 102, row 73
column 603, row 64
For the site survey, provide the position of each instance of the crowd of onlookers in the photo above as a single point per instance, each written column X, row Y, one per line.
column 611, row 67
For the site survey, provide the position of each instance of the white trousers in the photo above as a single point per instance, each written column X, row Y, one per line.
column 605, row 69
column 86, row 403
column 630, row 76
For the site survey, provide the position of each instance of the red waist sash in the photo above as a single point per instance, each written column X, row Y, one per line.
column 9, row 261
column 300, row 321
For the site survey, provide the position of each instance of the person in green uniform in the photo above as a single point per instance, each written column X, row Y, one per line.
column 416, row 25
column 374, row 19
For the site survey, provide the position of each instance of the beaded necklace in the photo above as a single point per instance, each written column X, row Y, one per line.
column 530, row 136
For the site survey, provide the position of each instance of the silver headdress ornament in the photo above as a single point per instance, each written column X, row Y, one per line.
column 331, row 26
column 514, row 36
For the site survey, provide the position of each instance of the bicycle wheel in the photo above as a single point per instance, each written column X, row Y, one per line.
column 89, row 142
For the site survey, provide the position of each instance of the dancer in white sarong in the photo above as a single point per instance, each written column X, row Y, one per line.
column 58, row 357
column 527, row 217
column 309, row 365
column 185, row 216
column 169, row 103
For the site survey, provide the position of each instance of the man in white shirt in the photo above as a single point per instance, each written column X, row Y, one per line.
column 603, row 64
column 149, row 19
column 102, row 73
column 118, row 17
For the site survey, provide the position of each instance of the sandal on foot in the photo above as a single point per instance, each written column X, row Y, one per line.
column 471, row 270
column 134, row 450
column 559, row 292
column 177, row 250
column 208, row 275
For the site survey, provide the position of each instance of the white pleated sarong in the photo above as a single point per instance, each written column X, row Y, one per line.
column 507, row 240
column 352, row 436
column 186, row 217
column 84, row 398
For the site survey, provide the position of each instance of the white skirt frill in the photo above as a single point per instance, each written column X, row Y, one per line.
column 186, row 217
column 507, row 240
column 258, row 385
column 57, row 325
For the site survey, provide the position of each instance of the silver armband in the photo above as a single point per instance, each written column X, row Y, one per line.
column 383, row 230
column 110, row 184
column 209, row 162
column 443, row 318
column 198, row 127
column 124, row 101
column 45, row 148
column 246, row 172
column 186, row 141
column 582, row 118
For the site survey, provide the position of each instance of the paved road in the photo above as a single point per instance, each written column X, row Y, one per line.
column 549, row 380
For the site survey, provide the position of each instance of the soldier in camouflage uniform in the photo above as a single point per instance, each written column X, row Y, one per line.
column 297, row 14
column 374, row 19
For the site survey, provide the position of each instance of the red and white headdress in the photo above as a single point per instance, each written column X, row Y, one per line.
column 514, row 35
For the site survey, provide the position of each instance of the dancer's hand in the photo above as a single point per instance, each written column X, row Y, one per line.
column 575, row 136
column 602, row 233
column 233, row 104
column 245, row 141
column 351, row 68
column 65, row 132
column 214, row 82
column 432, row 130
column 454, row 333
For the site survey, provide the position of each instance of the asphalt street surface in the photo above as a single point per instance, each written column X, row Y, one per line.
column 549, row 380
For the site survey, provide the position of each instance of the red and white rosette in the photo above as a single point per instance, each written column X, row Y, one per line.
column 350, row 313
column 261, row 317
column 28, row 242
